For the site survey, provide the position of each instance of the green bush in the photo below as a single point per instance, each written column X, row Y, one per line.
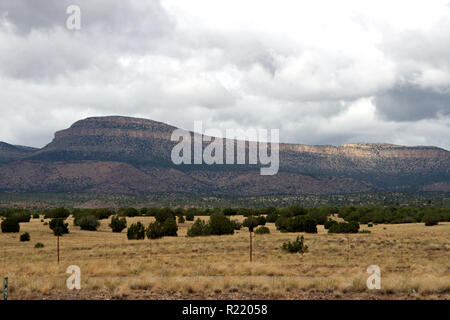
column 62, row 213
column 262, row 230
column 344, row 227
column 219, row 224
column 299, row 223
column 199, row 228
column 370, row 225
column 164, row 214
column 236, row 224
column 365, row 231
column 89, row 223
column 58, row 226
column 181, row 219
column 128, row 212
column 329, row 223
column 250, row 222
column 189, row 216
column 25, row 236
column 118, row 223
column 21, row 216
column 35, row 215
column 430, row 219
column 136, row 231
column 170, row 227
column 295, row 246
column 261, row 220
column 39, row 245
column 272, row 217
column 10, row 225
column 155, row 230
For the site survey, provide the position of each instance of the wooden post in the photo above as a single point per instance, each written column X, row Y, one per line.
column 58, row 247
column 251, row 246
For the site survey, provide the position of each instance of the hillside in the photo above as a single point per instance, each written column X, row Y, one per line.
column 132, row 156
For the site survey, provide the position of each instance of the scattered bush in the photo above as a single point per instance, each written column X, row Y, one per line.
column 329, row 223
column 430, row 219
column 58, row 226
column 219, row 224
column 155, row 230
column 199, row 228
column 181, row 219
column 365, row 231
column 236, row 224
column 261, row 220
column 39, row 245
column 272, row 217
column 35, row 215
column 251, row 222
column 170, row 227
column 344, row 227
column 25, row 236
column 62, row 213
column 299, row 223
column 10, row 225
column 118, row 223
column 128, row 212
column 262, row 230
column 370, row 225
column 189, row 216
column 136, row 231
column 89, row 223
column 164, row 214
column 295, row 246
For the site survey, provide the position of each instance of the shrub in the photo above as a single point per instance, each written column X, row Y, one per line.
column 58, row 226
column 365, row 231
column 295, row 246
column 430, row 219
column 219, row 224
column 39, row 245
column 128, row 212
column 261, row 220
column 164, row 214
column 189, row 216
column 155, row 230
column 21, row 216
column 236, row 224
column 118, row 223
column 35, row 215
column 199, row 228
column 262, row 230
column 299, row 223
column 344, row 227
column 170, row 227
column 102, row 213
column 272, row 217
column 229, row 211
column 25, row 236
column 329, row 223
column 251, row 222
column 57, row 213
column 136, row 231
column 181, row 219
column 10, row 225
column 90, row 223
column 370, row 225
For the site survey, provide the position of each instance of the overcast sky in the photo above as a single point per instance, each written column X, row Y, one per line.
column 323, row 72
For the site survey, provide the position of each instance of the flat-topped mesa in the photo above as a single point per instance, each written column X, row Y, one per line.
column 369, row 150
column 118, row 126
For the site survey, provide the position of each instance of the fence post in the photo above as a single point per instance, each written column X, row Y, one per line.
column 5, row 289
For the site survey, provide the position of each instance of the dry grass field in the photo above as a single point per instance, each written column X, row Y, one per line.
column 414, row 262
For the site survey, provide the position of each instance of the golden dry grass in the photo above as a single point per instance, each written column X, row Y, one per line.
column 414, row 262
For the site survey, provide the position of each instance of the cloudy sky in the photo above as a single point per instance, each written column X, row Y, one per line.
column 323, row 72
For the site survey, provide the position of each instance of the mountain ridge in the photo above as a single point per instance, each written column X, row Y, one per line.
column 87, row 156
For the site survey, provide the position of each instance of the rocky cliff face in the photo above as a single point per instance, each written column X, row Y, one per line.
column 9, row 152
column 129, row 155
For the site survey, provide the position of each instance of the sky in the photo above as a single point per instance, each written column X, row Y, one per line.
column 323, row 72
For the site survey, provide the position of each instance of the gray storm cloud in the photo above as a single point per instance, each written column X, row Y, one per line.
column 350, row 76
